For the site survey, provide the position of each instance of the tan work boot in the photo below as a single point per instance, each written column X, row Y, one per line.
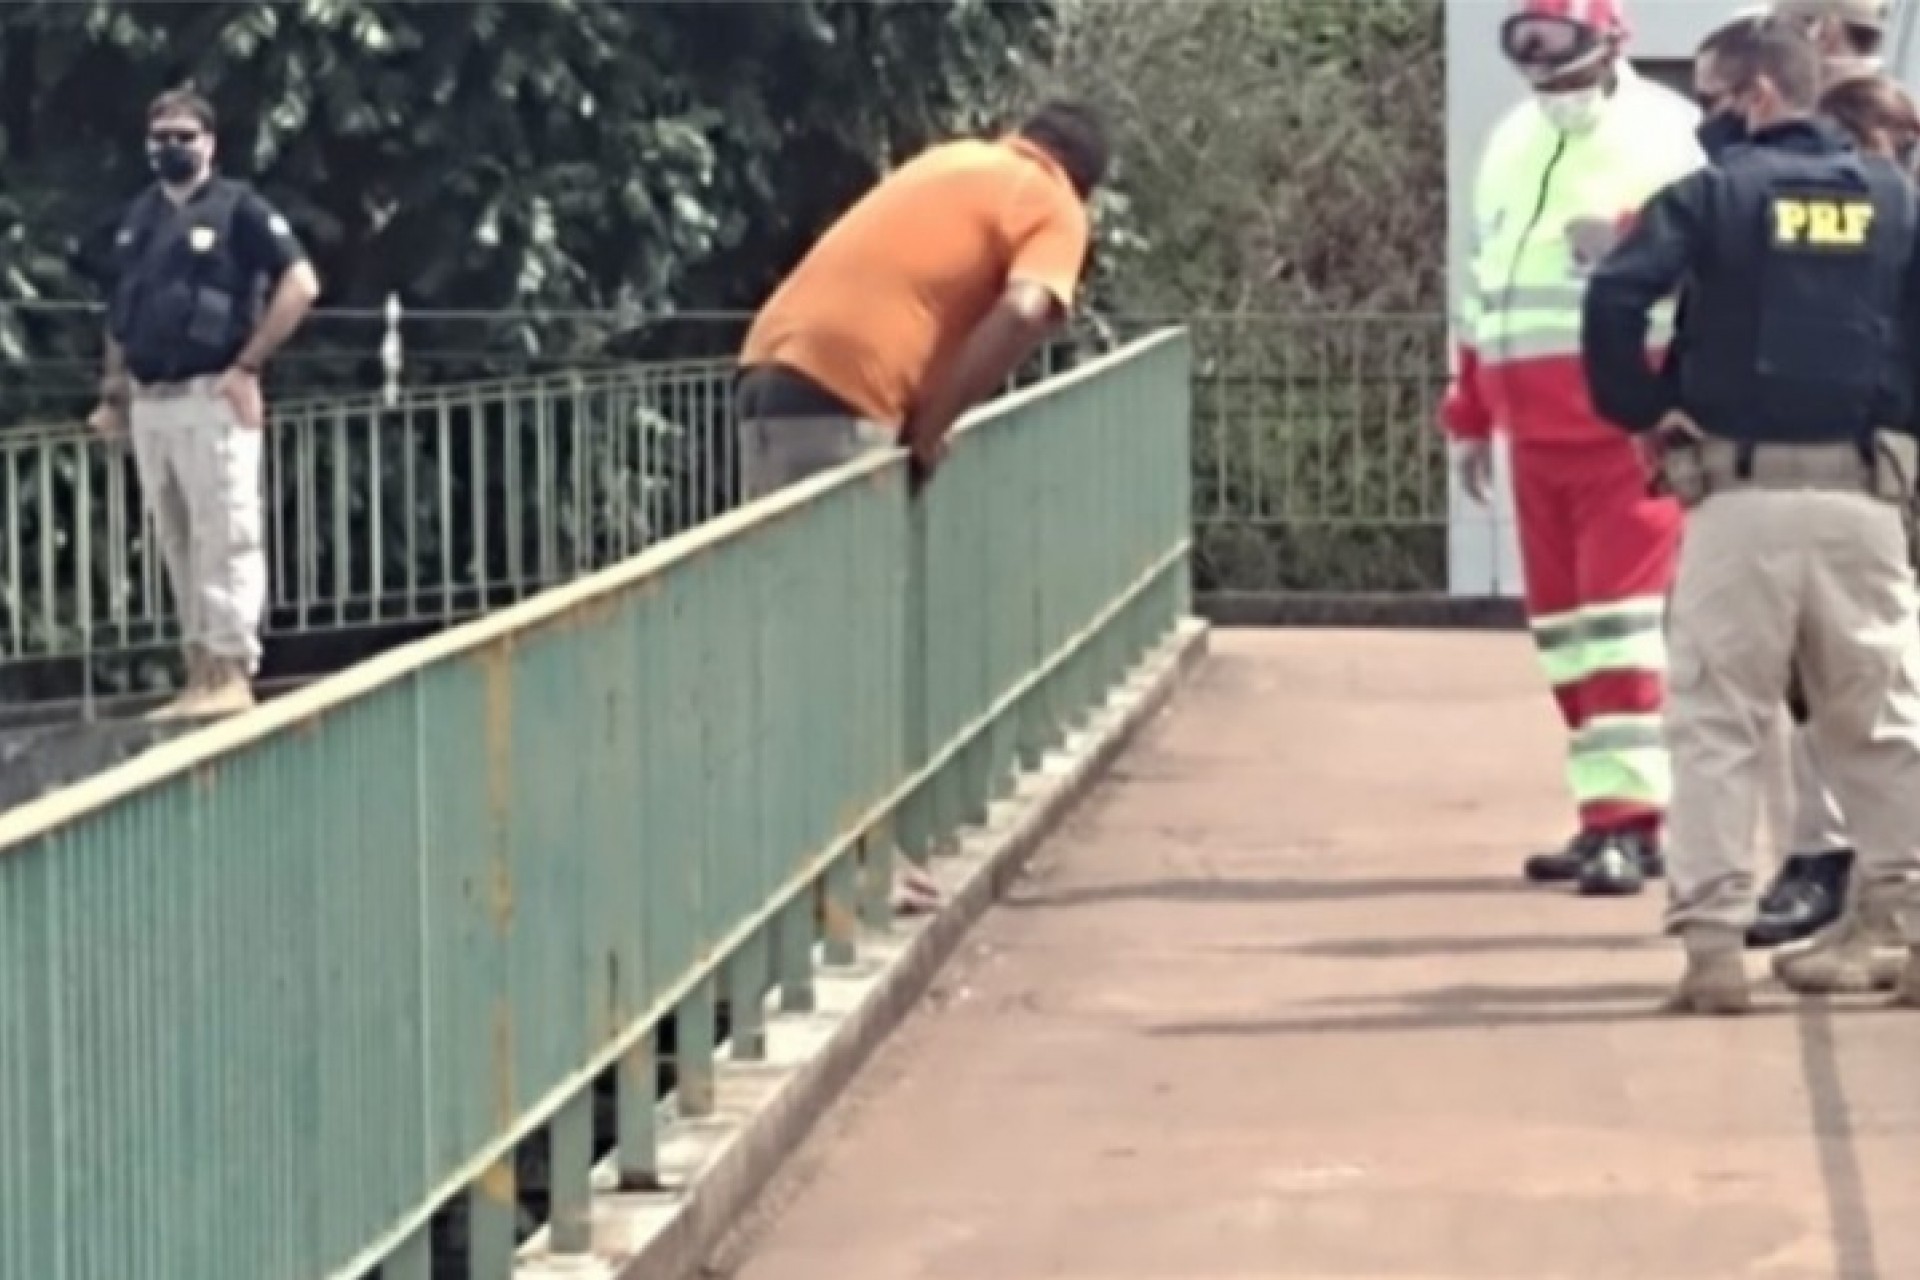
column 1715, row 982
column 1859, row 953
column 1888, row 968
column 199, row 663
column 228, row 690
column 1906, row 993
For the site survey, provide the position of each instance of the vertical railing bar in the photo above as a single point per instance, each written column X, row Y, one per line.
column 547, row 484
column 342, row 534
column 83, row 568
column 48, row 524
column 583, row 431
column 307, row 521
column 411, row 521
column 480, row 423
column 273, row 477
column 376, row 516
column 443, row 463
column 16, row 568
column 120, row 541
column 516, row 497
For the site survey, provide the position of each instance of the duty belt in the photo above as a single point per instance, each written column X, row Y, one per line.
column 1882, row 466
column 174, row 390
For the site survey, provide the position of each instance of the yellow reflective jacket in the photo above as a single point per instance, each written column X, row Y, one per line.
column 1547, row 207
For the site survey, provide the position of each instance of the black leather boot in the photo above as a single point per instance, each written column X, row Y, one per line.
column 1620, row 865
column 1563, row 865
column 1808, row 894
column 1568, row 864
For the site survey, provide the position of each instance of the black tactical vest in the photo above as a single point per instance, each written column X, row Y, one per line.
column 1795, row 328
column 184, row 303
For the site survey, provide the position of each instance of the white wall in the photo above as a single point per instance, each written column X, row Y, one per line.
column 1483, row 558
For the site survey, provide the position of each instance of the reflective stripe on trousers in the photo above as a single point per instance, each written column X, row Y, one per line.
column 1619, row 757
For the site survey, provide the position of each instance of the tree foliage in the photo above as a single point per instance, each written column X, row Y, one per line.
column 1275, row 157
column 1282, row 186
column 555, row 157
column 579, row 164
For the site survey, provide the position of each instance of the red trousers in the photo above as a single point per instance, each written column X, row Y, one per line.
column 1598, row 552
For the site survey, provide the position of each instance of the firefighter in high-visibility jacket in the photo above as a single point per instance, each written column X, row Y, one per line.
column 1561, row 177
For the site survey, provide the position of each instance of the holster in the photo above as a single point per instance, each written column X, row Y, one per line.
column 1683, row 473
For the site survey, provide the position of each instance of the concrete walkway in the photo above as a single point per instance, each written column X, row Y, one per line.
column 1274, row 1006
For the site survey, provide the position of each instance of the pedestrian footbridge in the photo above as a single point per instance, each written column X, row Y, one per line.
column 560, row 942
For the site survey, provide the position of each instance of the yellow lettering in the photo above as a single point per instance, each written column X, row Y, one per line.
column 1790, row 219
column 1859, row 218
column 1822, row 222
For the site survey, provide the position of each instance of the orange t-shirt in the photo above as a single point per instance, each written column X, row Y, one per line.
column 887, row 296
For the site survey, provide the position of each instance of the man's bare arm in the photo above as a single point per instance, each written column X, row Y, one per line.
column 1008, row 334
column 109, row 417
column 114, row 385
column 292, row 298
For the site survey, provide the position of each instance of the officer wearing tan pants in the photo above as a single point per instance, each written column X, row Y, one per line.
column 1817, row 863
column 208, row 282
column 1799, row 256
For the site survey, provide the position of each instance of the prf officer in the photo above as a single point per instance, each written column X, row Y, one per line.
column 1785, row 428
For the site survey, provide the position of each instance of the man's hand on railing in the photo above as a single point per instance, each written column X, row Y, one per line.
column 926, row 450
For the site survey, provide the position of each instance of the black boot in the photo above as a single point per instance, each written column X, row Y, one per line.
column 1621, row 865
column 1563, row 865
column 1566, row 865
column 1808, row 894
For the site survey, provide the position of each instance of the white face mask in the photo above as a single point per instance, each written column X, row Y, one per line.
column 1573, row 112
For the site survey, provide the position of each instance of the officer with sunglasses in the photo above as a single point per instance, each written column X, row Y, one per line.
column 1786, row 425
column 208, row 281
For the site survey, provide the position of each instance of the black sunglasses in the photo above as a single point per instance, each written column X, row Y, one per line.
column 185, row 137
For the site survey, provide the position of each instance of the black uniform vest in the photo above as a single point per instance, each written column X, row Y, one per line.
column 1796, row 331
column 184, row 303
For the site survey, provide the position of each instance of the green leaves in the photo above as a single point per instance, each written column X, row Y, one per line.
column 558, row 156
column 1278, row 156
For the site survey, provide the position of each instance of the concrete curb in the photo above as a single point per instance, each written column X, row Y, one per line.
column 1360, row 610
column 717, row 1166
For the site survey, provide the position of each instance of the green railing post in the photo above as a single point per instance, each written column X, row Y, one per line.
column 693, row 1030
column 638, row 1153
column 493, row 1213
column 746, row 1000
column 797, row 933
column 569, row 1181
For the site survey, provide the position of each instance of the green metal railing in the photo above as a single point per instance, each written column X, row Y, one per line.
column 1317, row 462
column 274, row 995
column 455, row 500
column 452, row 501
column 1316, row 467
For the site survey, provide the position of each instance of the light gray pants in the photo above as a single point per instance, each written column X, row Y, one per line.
column 776, row 452
column 1769, row 578
column 1818, row 824
column 200, row 473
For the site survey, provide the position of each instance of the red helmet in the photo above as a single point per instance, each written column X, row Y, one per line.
column 1549, row 38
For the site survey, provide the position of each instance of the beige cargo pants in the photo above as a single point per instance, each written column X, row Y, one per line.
column 200, row 475
column 1819, row 825
column 1794, row 567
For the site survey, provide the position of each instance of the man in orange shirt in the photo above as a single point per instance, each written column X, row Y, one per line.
column 920, row 301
